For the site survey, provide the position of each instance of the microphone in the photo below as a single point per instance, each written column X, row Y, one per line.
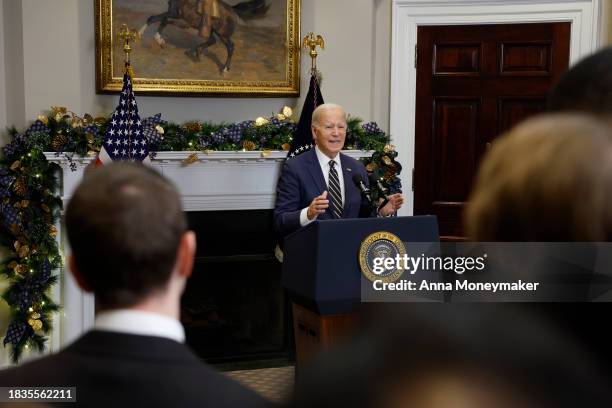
column 382, row 189
column 365, row 191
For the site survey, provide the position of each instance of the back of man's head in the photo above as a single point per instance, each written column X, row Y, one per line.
column 124, row 225
column 585, row 87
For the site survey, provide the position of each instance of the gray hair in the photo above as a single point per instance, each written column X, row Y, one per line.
column 316, row 114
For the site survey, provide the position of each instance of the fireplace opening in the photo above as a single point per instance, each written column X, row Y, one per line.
column 234, row 310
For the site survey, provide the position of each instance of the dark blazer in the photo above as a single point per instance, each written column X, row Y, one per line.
column 302, row 180
column 112, row 369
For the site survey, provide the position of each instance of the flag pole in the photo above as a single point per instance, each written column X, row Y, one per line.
column 312, row 42
column 126, row 34
column 124, row 132
column 302, row 137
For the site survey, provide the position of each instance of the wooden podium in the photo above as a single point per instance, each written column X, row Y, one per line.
column 322, row 277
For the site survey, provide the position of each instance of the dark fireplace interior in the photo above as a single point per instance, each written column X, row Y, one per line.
column 234, row 311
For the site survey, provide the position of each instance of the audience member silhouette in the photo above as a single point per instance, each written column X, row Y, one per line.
column 585, row 87
column 131, row 248
column 547, row 179
column 444, row 356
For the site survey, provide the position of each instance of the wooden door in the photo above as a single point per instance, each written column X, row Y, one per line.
column 473, row 83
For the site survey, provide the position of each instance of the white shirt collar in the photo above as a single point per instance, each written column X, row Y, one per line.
column 140, row 323
column 324, row 160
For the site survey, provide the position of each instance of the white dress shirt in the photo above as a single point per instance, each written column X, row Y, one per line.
column 140, row 323
column 324, row 163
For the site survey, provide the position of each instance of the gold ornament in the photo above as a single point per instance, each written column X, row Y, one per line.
column 371, row 167
column 19, row 188
column 193, row 127
column 16, row 164
column 59, row 109
column 389, row 174
column 45, row 208
column 87, row 119
column 43, row 119
column 35, row 321
column 280, row 116
column 58, row 141
column 24, row 251
column 159, row 129
column 58, row 117
column 90, row 138
column 21, row 269
column 249, row 145
column 99, row 121
column 287, row 111
column 387, row 161
column 389, row 148
column 24, row 203
column 286, row 146
column 265, row 153
column 192, row 158
column 76, row 123
column 261, row 121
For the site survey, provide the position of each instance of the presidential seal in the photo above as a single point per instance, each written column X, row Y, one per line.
column 376, row 248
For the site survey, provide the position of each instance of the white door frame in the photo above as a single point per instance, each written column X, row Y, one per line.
column 408, row 15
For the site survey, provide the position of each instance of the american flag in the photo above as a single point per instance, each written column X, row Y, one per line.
column 124, row 138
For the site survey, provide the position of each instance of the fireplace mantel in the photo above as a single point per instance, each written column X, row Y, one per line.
column 216, row 181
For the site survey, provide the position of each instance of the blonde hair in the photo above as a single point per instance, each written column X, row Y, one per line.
column 548, row 179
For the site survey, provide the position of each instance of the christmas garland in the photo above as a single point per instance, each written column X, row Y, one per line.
column 30, row 208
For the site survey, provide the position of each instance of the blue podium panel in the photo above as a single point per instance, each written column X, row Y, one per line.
column 321, row 261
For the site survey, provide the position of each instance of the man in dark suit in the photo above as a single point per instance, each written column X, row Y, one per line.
column 131, row 248
column 318, row 184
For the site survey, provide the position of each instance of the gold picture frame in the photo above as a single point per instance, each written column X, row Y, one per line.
column 178, row 67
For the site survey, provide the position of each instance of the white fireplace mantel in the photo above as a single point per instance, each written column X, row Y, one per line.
column 216, row 181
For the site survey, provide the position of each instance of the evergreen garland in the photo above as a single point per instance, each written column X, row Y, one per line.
column 30, row 208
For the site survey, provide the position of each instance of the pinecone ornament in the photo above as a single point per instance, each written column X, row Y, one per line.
column 193, row 127
column 19, row 188
column 248, row 145
column 58, row 142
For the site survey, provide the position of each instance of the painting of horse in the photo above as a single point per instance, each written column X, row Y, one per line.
column 211, row 18
column 213, row 46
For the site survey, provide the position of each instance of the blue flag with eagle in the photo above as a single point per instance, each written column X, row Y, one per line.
column 302, row 138
column 124, row 138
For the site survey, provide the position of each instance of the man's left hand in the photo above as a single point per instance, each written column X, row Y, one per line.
column 395, row 203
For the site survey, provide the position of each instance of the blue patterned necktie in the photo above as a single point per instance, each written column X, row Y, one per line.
column 335, row 198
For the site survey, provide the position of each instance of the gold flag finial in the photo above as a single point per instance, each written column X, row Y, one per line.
column 127, row 35
column 310, row 41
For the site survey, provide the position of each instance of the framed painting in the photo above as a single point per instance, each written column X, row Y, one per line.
column 201, row 47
